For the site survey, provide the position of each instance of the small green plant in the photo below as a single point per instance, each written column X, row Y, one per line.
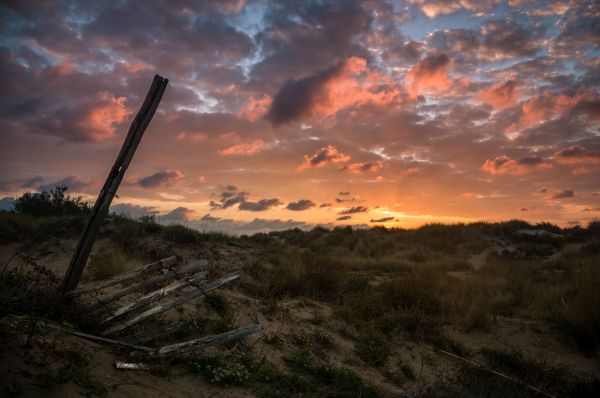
column 273, row 339
column 323, row 338
column 13, row 386
column 105, row 264
column 218, row 369
column 406, row 370
column 372, row 350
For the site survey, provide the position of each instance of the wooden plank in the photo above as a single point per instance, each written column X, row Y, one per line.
column 171, row 304
column 192, row 267
column 115, row 176
column 101, row 339
column 205, row 342
column 153, row 296
column 153, row 334
column 92, row 287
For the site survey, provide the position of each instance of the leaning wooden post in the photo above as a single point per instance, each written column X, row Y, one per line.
column 101, row 207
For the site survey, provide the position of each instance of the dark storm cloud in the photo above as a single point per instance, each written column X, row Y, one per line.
column 297, row 97
column 302, row 204
column 355, row 209
column 381, row 220
column 161, row 179
column 563, row 194
column 177, row 215
column 228, row 197
column 343, row 218
column 302, row 37
column 261, row 205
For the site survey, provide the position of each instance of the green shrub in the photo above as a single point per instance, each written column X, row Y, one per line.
column 53, row 203
column 372, row 350
column 105, row 264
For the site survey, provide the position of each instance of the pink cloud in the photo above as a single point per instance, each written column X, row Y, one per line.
column 255, row 108
column 429, row 75
column 501, row 95
column 359, row 168
column 244, row 149
column 99, row 122
column 577, row 154
column 323, row 156
column 503, row 165
column 548, row 106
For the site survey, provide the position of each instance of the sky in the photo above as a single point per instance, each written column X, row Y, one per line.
column 283, row 114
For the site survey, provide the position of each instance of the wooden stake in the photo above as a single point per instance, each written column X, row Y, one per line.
column 102, row 205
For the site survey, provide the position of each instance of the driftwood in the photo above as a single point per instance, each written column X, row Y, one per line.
column 131, row 366
column 205, row 342
column 101, row 339
column 171, row 304
column 192, row 267
column 102, row 205
column 92, row 287
column 153, row 296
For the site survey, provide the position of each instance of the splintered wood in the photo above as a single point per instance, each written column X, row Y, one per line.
column 162, row 287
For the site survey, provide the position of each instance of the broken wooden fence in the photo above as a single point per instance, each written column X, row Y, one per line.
column 146, row 292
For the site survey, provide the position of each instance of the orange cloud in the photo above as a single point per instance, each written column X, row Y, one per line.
column 323, row 156
column 547, row 106
column 244, row 149
column 503, row 165
column 429, row 75
column 99, row 121
column 577, row 154
column 501, row 95
column 255, row 108
column 355, row 85
column 359, row 168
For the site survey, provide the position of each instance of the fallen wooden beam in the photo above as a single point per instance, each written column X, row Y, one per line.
column 192, row 267
column 153, row 296
column 171, row 304
column 153, row 334
column 101, row 339
column 92, row 287
column 205, row 342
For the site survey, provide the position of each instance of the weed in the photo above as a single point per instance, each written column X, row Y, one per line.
column 220, row 369
column 105, row 264
column 323, row 338
column 372, row 350
column 13, row 387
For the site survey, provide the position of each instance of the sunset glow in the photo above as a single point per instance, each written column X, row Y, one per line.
column 295, row 114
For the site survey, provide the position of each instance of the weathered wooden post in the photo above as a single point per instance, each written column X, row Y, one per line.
column 101, row 207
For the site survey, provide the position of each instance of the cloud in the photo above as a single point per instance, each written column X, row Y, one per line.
column 503, row 165
column 562, row 194
column 74, row 183
column 359, row 168
column 548, row 106
column 343, row 218
column 133, row 211
column 346, row 84
column 228, row 197
column 344, row 193
column 429, row 75
column 177, row 215
column 302, row 204
column 323, row 156
column 161, row 179
column 255, row 108
column 209, row 218
column 382, row 220
column 355, row 209
column 501, row 95
column 244, row 149
column 577, row 154
column 261, row 205
column 325, row 205
column 434, row 8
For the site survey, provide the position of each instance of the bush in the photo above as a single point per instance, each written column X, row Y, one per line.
column 372, row 350
column 53, row 203
column 105, row 264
